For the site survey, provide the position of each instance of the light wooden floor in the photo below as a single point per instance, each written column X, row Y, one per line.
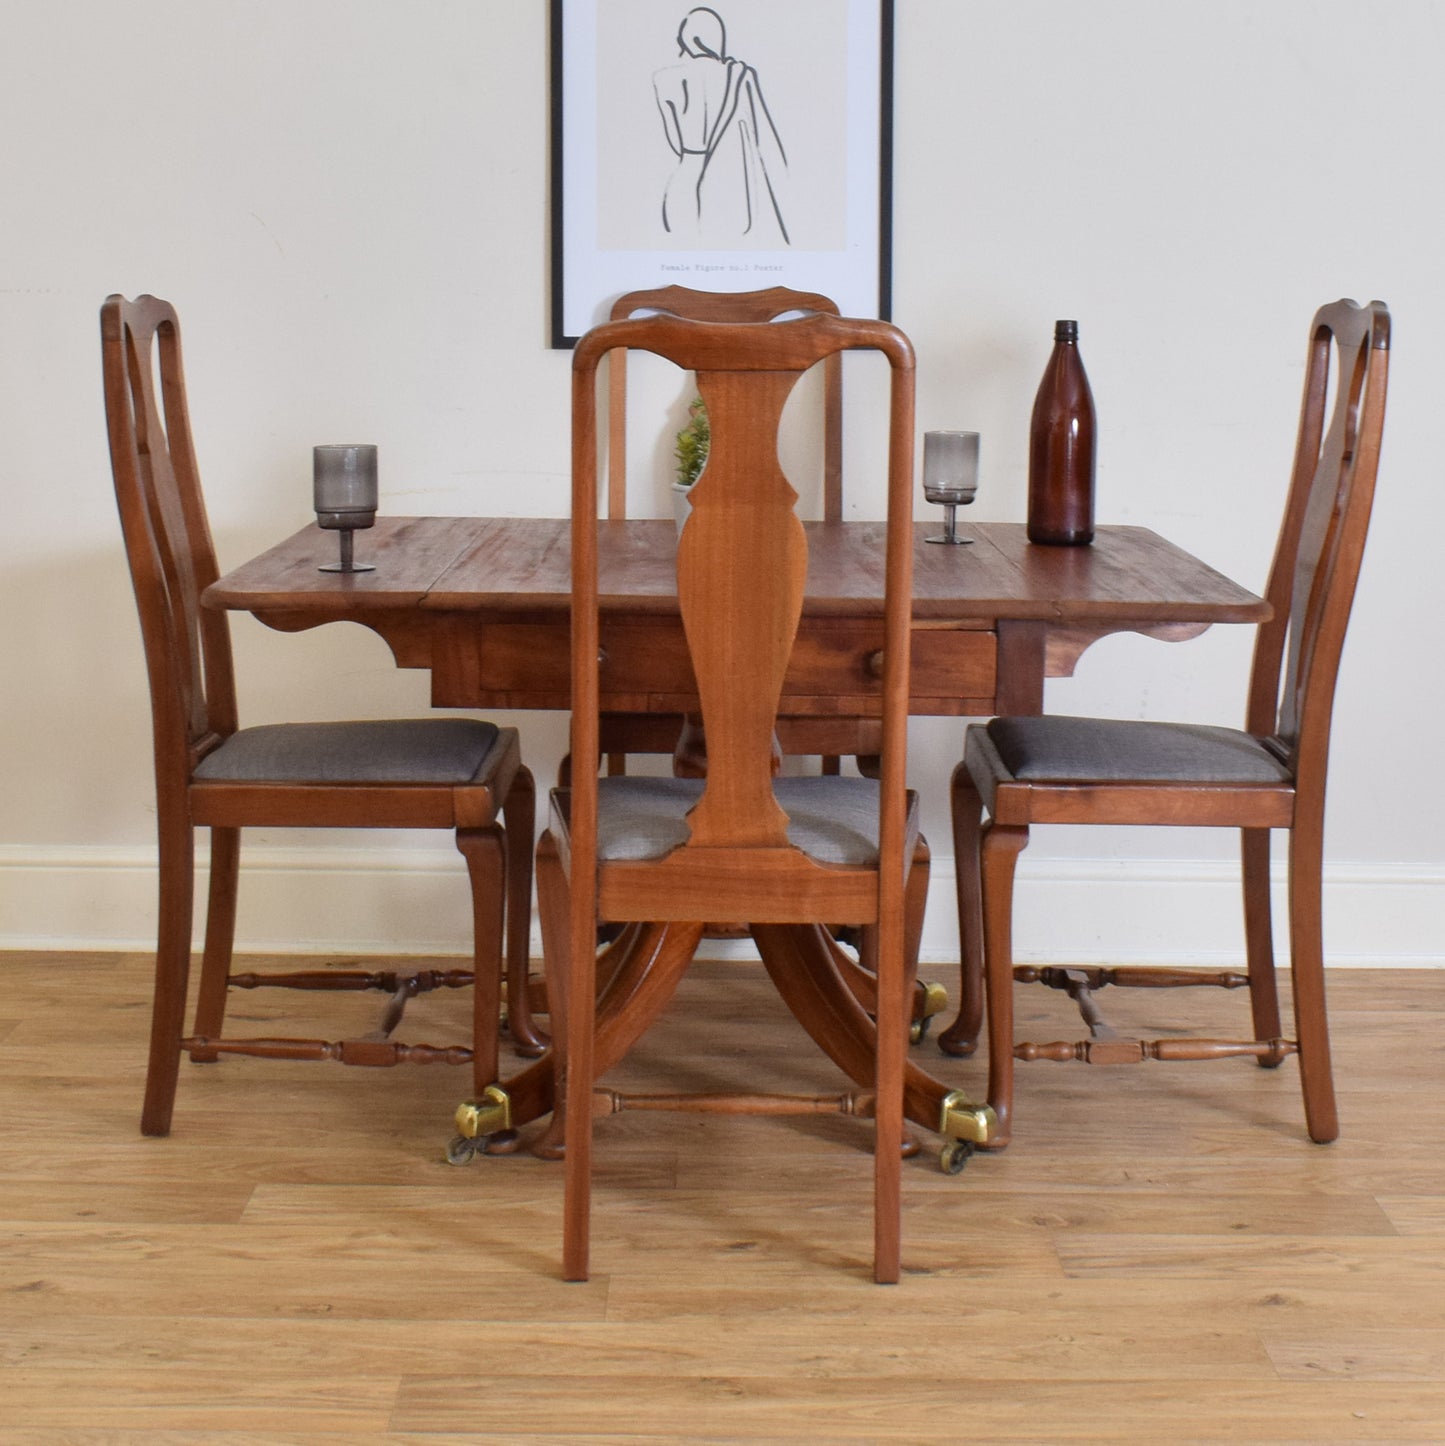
column 1161, row 1256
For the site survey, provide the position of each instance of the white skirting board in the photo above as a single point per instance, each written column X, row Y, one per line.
column 414, row 901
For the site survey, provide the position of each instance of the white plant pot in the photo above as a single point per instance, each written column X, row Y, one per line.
column 681, row 504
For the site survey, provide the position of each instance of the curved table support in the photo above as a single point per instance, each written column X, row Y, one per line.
column 806, row 965
column 642, row 969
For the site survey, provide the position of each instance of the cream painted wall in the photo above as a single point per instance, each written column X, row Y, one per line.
column 347, row 199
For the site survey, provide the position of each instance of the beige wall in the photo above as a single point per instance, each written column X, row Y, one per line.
column 347, row 199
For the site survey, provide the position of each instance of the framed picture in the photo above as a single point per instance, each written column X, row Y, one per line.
column 725, row 147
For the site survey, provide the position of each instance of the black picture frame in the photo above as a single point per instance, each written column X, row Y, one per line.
column 792, row 185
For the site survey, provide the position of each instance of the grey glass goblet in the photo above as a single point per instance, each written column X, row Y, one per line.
column 950, row 477
column 344, row 492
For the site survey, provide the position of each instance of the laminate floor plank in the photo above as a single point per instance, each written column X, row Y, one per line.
column 1380, row 1355
column 870, row 1409
column 1351, row 1261
column 161, row 1399
column 1076, row 1347
column 123, row 1202
column 1415, row 1214
column 338, row 1270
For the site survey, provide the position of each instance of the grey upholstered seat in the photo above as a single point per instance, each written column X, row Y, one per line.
column 832, row 820
column 1113, row 750
column 405, row 750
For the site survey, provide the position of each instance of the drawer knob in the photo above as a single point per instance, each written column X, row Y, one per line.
column 873, row 663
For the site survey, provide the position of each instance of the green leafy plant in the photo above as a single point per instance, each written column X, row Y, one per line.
column 692, row 444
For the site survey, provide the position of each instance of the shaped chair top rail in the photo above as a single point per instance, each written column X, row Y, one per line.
column 764, row 305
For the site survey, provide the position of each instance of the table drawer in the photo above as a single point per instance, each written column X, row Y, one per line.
column 528, row 664
column 837, row 666
column 844, row 659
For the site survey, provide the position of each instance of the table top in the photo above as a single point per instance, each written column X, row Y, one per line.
column 516, row 566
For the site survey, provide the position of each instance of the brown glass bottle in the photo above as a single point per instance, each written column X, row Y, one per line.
column 1061, row 448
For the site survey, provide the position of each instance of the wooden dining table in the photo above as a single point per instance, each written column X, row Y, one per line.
column 483, row 604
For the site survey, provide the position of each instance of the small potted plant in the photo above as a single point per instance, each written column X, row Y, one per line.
column 691, row 455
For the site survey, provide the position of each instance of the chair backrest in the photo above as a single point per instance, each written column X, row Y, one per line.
column 1322, row 538
column 167, row 537
column 742, row 557
column 724, row 306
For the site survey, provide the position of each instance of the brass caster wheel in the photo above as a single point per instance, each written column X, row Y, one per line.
column 462, row 1151
column 954, row 1156
column 935, row 1001
column 489, row 1115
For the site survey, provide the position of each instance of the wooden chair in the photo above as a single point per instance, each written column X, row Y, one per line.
column 452, row 773
column 1269, row 775
column 781, row 856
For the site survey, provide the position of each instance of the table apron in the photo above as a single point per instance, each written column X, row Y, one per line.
column 836, row 669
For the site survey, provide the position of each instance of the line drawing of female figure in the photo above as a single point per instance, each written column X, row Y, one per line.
column 730, row 159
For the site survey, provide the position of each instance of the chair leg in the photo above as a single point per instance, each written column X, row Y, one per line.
column 220, row 939
column 863, row 978
column 891, row 1050
column 577, row 1068
column 173, row 968
column 961, row 1037
column 519, row 813
column 915, row 905
column 1259, row 940
column 552, row 909
column 1307, row 977
column 571, row 992
column 1000, row 849
column 484, row 851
